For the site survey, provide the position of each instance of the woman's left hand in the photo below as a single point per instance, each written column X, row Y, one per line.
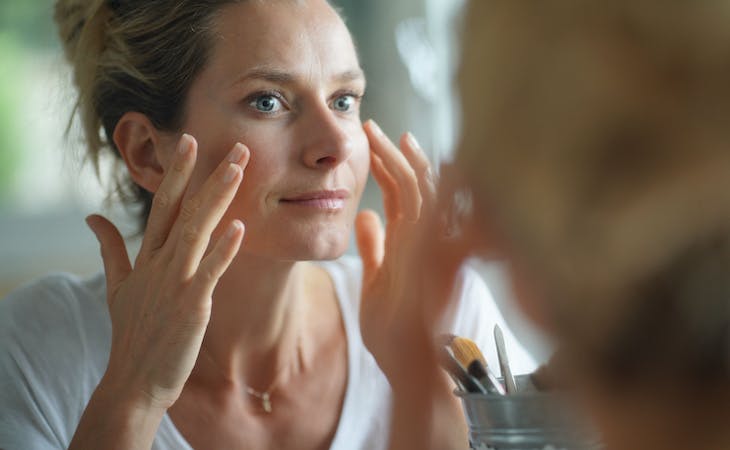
column 409, row 268
column 409, row 273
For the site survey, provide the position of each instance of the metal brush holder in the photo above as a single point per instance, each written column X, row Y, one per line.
column 526, row 420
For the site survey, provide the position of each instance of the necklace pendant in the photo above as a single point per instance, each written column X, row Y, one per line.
column 266, row 402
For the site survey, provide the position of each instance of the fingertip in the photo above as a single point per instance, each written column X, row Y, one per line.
column 409, row 140
column 367, row 226
column 188, row 138
column 235, row 228
column 246, row 156
column 367, row 215
column 369, row 239
column 93, row 221
column 185, row 144
column 90, row 219
column 373, row 127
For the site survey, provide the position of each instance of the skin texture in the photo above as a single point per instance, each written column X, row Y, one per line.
column 204, row 311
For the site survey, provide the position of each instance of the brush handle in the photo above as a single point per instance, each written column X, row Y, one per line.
column 459, row 373
column 486, row 377
column 509, row 380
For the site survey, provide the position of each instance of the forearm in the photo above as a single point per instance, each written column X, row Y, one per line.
column 115, row 421
column 427, row 415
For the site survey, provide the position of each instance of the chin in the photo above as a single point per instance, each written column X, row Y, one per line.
column 327, row 247
column 310, row 244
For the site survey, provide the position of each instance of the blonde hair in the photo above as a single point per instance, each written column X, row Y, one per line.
column 597, row 135
column 133, row 55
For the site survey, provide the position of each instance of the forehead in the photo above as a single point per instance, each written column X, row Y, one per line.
column 304, row 37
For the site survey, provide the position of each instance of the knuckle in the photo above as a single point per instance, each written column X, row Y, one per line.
column 161, row 200
column 208, row 276
column 189, row 208
column 190, row 234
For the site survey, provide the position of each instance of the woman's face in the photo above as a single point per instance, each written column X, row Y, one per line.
column 283, row 78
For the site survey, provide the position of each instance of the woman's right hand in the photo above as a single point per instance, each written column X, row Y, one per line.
column 160, row 308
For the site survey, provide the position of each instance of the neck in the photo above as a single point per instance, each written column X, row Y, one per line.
column 257, row 322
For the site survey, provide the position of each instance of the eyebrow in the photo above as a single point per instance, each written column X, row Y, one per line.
column 282, row 77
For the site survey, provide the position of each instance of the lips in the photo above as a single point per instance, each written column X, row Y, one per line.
column 325, row 199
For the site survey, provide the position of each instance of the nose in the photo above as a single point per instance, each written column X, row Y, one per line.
column 326, row 142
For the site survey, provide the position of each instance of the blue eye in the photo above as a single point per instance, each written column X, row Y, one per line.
column 266, row 103
column 343, row 103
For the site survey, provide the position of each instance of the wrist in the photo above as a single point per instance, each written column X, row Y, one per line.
column 426, row 414
column 117, row 418
column 414, row 375
column 123, row 393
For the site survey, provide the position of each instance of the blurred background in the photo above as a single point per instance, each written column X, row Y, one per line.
column 408, row 51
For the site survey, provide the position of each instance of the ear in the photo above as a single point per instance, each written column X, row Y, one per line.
column 138, row 141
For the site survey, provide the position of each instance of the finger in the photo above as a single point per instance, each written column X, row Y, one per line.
column 113, row 251
column 215, row 264
column 370, row 243
column 398, row 167
column 166, row 202
column 201, row 213
column 388, row 186
column 422, row 167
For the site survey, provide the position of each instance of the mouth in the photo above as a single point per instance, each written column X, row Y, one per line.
column 325, row 200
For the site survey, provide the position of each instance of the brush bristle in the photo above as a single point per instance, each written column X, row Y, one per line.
column 465, row 351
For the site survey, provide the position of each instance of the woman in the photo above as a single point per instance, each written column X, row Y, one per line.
column 595, row 143
column 229, row 112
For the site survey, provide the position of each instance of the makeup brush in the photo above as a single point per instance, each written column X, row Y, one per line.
column 468, row 354
column 465, row 351
column 485, row 377
column 458, row 373
column 509, row 381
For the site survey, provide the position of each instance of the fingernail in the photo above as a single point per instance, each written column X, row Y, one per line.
column 184, row 144
column 412, row 140
column 236, row 154
column 233, row 229
column 231, row 173
column 376, row 128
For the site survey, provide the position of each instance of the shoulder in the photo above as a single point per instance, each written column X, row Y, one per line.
column 54, row 335
column 54, row 322
column 50, row 301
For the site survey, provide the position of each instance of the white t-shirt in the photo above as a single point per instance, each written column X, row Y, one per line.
column 54, row 346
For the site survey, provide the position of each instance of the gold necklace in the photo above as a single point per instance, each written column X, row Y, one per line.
column 264, row 396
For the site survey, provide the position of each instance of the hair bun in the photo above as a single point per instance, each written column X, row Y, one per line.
column 75, row 18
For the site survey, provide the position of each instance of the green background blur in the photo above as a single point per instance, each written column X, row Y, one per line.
column 26, row 29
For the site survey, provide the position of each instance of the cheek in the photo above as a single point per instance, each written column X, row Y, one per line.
column 216, row 143
column 206, row 163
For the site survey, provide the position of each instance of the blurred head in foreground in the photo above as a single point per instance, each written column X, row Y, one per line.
column 596, row 141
